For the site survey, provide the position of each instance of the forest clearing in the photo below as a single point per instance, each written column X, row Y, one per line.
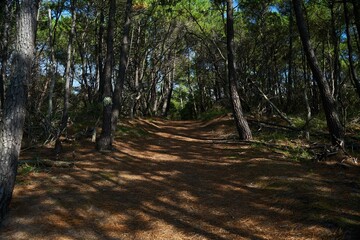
column 182, row 180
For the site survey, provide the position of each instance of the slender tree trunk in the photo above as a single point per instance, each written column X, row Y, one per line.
column 306, row 97
column 333, row 122
column 52, row 70
column 85, row 82
column 335, row 42
column 169, row 90
column 290, row 66
column 119, row 85
column 350, row 50
column 105, row 139
column 99, row 51
column 11, row 126
column 65, row 114
column 240, row 121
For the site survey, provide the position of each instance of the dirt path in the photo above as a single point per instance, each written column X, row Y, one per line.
column 180, row 181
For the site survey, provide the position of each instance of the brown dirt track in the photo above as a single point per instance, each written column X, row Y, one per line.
column 181, row 181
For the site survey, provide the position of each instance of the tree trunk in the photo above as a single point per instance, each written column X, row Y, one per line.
column 169, row 90
column 356, row 9
column 335, row 42
column 119, row 85
column 240, row 121
column 4, row 49
column 350, row 50
column 52, row 70
column 290, row 66
column 105, row 139
column 65, row 114
column 99, row 50
column 333, row 122
column 11, row 128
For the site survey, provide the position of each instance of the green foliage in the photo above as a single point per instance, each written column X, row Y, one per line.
column 288, row 144
column 188, row 111
column 130, row 131
column 215, row 111
column 26, row 169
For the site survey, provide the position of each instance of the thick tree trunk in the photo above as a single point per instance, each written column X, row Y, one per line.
column 11, row 128
column 333, row 122
column 119, row 85
column 4, row 49
column 105, row 139
column 240, row 121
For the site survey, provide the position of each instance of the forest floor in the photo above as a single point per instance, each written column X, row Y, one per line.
column 182, row 180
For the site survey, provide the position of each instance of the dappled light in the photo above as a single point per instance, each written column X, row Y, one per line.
column 177, row 182
column 179, row 119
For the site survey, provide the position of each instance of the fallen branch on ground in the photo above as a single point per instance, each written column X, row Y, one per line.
column 47, row 163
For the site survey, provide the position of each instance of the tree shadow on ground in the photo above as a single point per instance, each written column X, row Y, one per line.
column 176, row 184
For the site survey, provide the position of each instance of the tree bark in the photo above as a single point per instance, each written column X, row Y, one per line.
column 99, row 51
column 11, row 126
column 65, row 114
column 240, row 121
column 4, row 49
column 119, row 85
column 289, row 97
column 105, row 140
column 52, row 69
column 336, row 62
column 336, row 130
column 168, row 91
column 356, row 10
column 350, row 49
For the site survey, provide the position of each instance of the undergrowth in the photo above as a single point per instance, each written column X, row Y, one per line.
column 130, row 131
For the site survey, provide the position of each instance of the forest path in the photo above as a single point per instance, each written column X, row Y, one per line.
column 179, row 180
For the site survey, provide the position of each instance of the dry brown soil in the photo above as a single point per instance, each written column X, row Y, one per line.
column 180, row 180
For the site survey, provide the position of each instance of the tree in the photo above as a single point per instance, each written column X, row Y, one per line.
column 11, row 126
column 124, row 52
column 4, row 35
column 332, row 117
column 65, row 115
column 354, row 77
column 105, row 140
column 240, row 121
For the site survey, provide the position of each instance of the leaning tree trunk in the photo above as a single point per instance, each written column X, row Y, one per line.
column 105, row 140
column 11, row 128
column 119, row 85
column 240, row 121
column 333, row 122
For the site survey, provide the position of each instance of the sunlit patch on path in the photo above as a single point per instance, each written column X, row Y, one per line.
column 179, row 182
